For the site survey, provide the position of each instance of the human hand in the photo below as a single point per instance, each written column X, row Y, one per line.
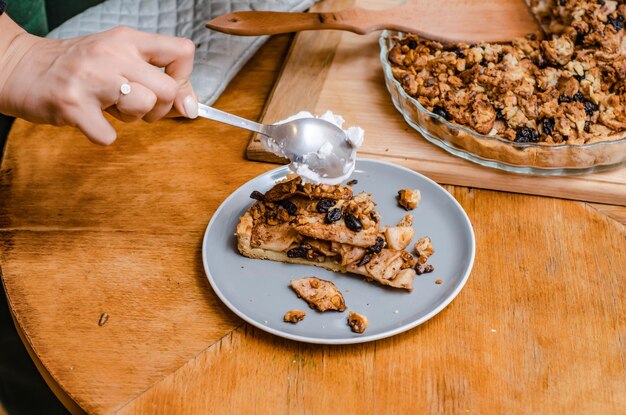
column 71, row 82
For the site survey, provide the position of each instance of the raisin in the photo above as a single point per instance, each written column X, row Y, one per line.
column 289, row 206
column 352, row 182
column 333, row 215
column 412, row 43
column 547, row 124
column 353, row 223
column 377, row 247
column 364, row 260
column 541, row 62
column 578, row 97
column 499, row 114
column 579, row 78
column 580, row 38
column 587, row 126
column 526, row 135
column 459, row 53
column 324, row 204
column 617, row 22
column 500, row 57
column 564, row 98
column 600, row 2
column 562, row 2
column 257, row 196
column 297, row 253
column 590, row 107
column 441, row 111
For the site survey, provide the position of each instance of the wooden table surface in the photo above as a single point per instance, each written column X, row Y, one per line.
column 87, row 231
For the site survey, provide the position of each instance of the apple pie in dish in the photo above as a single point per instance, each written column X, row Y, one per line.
column 552, row 106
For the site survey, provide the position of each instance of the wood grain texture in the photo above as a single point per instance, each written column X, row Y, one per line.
column 88, row 230
column 354, row 87
column 617, row 213
column 470, row 21
column 536, row 330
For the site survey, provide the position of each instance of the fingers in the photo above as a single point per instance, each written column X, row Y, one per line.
column 90, row 120
column 186, row 103
column 163, row 86
column 139, row 102
column 155, row 93
column 120, row 116
column 176, row 56
column 172, row 53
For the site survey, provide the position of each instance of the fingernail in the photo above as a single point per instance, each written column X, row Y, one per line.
column 191, row 107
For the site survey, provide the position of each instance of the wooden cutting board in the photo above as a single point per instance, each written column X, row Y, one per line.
column 341, row 71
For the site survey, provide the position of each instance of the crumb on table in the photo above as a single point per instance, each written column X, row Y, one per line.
column 104, row 317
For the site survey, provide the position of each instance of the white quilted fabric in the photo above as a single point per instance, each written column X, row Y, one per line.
column 218, row 56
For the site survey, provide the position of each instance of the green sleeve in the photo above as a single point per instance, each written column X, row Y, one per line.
column 30, row 14
column 61, row 10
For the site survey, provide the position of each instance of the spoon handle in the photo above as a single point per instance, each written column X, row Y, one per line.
column 252, row 23
column 211, row 113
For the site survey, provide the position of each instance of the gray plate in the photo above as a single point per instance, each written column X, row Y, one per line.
column 258, row 290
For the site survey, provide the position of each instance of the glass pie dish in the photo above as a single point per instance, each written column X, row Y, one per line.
column 496, row 152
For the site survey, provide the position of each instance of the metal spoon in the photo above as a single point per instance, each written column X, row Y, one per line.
column 299, row 140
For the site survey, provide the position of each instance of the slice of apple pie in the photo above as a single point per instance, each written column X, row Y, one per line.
column 329, row 227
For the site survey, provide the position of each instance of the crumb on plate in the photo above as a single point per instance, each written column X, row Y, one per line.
column 409, row 198
column 294, row 316
column 357, row 322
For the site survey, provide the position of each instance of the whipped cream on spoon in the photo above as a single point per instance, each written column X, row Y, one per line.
column 306, row 166
column 319, row 150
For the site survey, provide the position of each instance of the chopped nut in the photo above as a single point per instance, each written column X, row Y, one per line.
column 424, row 248
column 294, row 316
column 409, row 199
column 424, row 268
column 357, row 322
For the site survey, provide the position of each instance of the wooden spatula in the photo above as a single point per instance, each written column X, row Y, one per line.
column 469, row 21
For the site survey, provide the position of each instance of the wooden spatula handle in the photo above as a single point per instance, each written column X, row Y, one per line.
column 251, row 23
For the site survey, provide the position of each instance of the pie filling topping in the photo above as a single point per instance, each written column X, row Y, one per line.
column 330, row 227
column 568, row 88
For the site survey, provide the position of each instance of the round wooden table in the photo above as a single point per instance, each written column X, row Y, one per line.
column 100, row 256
